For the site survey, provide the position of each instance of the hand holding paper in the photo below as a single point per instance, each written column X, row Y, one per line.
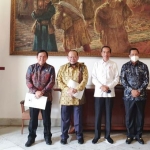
column 73, row 84
column 32, row 101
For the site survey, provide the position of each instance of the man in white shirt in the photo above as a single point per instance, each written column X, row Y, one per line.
column 105, row 77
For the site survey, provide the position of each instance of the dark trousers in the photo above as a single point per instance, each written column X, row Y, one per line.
column 101, row 104
column 46, row 115
column 66, row 112
column 134, row 118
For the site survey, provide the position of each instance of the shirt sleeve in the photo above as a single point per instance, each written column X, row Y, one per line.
column 123, row 79
column 29, row 82
column 60, row 82
column 145, row 79
column 84, row 80
column 95, row 81
column 51, row 82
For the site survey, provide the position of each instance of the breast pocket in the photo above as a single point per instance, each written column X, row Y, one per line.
column 110, row 72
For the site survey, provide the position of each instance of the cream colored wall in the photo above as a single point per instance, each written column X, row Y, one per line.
column 12, row 79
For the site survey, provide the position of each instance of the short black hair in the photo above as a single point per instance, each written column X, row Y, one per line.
column 135, row 49
column 74, row 51
column 105, row 46
column 41, row 51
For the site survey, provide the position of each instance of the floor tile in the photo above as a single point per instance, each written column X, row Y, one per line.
column 12, row 139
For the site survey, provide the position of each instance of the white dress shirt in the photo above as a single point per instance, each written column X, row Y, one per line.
column 105, row 73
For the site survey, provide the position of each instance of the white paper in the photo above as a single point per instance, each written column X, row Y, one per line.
column 73, row 84
column 32, row 101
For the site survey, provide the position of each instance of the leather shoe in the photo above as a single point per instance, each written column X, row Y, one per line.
column 81, row 141
column 140, row 140
column 110, row 140
column 63, row 141
column 29, row 142
column 48, row 141
column 94, row 141
column 129, row 140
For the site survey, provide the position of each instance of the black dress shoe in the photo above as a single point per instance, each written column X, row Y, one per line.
column 29, row 142
column 110, row 140
column 48, row 141
column 63, row 141
column 81, row 141
column 94, row 141
column 129, row 140
column 140, row 140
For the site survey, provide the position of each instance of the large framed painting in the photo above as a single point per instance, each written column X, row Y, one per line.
column 84, row 25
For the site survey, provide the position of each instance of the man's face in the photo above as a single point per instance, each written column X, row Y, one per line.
column 41, row 58
column 105, row 53
column 72, row 57
column 133, row 53
column 134, row 56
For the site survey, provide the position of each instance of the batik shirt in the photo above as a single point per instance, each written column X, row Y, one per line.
column 134, row 77
column 41, row 78
column 67, row 72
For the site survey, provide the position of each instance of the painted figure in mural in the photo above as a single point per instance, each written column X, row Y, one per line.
column 110, row 20
column 88, row 11
column 70, row 19
column 135, row 79
column 143, row 4
column 138, row 2
column 23, row 8
column 43, row 29
column 40, row 79
column 97, row 3
column 73, row 70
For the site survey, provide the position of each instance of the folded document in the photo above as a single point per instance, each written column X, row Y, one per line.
column 32, row 101
column 73, row 84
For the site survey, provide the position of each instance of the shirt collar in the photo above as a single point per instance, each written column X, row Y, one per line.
column 104, row 62
column 132, row 63
column 70, row 65
column 41, row 66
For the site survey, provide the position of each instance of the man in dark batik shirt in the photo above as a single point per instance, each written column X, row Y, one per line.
column 135, row 79
column 40, row 79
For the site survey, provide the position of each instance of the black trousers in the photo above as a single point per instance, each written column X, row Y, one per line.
column 100, row 105
column 33, row 124
column 66, row 112
column 134, row 118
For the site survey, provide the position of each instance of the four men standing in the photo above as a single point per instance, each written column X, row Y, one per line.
column 40, row 79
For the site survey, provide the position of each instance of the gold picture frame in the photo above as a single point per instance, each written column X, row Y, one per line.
column 21, row 38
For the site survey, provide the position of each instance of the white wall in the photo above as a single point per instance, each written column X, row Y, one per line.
column 12, row 79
